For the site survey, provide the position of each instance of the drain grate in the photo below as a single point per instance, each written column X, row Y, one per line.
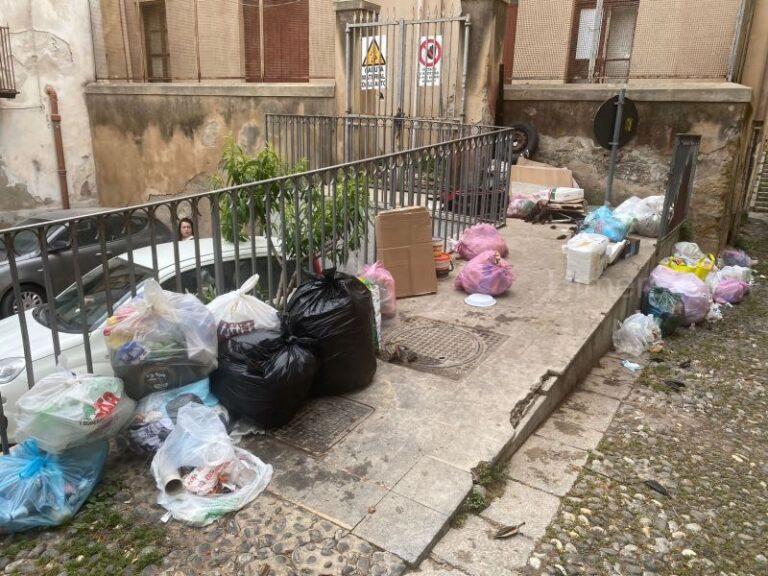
column 448, row 350
column 321, row 423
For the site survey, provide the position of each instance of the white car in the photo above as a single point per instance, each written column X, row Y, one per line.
column 13, row 375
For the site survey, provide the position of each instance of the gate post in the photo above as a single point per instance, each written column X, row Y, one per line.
column 347, row 12
column 485, row 55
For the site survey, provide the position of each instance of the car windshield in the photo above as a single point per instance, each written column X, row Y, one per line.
column 67, row 304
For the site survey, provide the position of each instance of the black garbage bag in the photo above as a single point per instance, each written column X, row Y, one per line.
column 264, row 375
column 668, row 307
column 336, row 310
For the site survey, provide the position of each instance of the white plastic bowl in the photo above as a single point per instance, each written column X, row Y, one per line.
column 480, row 300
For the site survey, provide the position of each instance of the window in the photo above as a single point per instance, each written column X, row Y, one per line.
column 601, row 39
column 276, row 40
column 156, row 41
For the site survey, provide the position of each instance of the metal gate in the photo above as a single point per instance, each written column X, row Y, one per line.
column 682, row 172
column 407, row 68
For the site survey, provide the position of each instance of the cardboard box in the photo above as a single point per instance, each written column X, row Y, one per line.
column 550, row 177
column 404, row 246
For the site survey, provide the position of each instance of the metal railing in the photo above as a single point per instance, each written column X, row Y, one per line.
column 7, row 78
column 288, row 228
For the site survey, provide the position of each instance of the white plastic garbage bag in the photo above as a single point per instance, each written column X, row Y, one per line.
column 739, row 273
column 646, row 213
column 240, row 313
column 65, row 409
column 636, row 334
column 689, row 251
column 199, row 471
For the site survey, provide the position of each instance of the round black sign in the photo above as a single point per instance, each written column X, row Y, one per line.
column 605, row 119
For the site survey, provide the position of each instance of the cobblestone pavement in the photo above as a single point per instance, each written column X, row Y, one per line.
column 677, row 485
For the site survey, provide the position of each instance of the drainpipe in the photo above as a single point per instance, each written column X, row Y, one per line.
column 61, row 165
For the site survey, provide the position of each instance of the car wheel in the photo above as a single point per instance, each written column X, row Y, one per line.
column 31, row 296
column 525, row 139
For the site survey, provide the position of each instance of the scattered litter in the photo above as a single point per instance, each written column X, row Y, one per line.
column 715, row 313
column 636, row 334
column 508, row 531
column 397, row 353
column 675, row 384
column 657, row 348
column 631, row 366
column 562, row 237
column 685, row 364
column 656, row 487
column 480, row 300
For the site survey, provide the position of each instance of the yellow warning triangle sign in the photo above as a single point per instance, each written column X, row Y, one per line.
column 374, row 57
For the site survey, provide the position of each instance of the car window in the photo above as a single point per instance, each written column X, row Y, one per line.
column 87, row 232
column 115, row 227
column 189, row 282
column 139, row 222
column 69, row 317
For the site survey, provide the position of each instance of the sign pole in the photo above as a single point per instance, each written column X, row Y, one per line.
column 615, row 147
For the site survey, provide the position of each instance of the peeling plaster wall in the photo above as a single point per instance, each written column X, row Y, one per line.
column 151, row 146
column 51, row 45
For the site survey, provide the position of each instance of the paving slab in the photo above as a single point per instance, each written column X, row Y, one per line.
column 435, row 425
column 475, row 551
column 435, row 484
column 547, row 465
column 589, row 410
column 521, row 503
column 402, row 526
column 562, row 427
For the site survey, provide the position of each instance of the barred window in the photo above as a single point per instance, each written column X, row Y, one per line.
column 156, row 41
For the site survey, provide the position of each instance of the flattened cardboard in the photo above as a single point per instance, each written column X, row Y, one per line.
column 551, row 177
column 404, row 246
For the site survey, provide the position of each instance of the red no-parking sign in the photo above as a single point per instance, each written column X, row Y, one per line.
column 430, row 60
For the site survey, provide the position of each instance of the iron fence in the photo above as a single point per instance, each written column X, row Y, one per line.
column 7, row 78
column 283, row 228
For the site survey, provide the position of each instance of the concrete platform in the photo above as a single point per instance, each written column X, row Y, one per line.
column 399, row 453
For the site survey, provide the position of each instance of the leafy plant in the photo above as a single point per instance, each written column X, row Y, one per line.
column 239, row 168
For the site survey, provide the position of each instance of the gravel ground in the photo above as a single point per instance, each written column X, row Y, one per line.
column 706, row 446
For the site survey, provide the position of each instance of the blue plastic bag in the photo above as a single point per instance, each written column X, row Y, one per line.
column 39, row 489
column 602, row 221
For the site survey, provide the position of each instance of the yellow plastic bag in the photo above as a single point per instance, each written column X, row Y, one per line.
column 702, row 268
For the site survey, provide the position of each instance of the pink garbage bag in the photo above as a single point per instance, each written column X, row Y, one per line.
column 382, row 277
column 479, row 238
column 731, row 291
column 695, row 293
column 486, row 273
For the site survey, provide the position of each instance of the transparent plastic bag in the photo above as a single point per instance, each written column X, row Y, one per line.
column 382, row 277
column 644, row 212
column 238, row 312
column 521, row 205
column 481, row 238
column 602, row 221
column 695, row 294
column 38, row 489
column 201, row 474
column 689, row 251
column 487, row 273
column 636, row 334
column 161, row 340
column 65, row 409
column 155, row 415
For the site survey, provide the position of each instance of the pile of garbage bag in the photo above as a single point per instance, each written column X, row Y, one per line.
column 486, row 272
column 66, row 409
column 200, row 474
column 40, row 489
column 481, row 238
column 161, row 340
column 336, row 311
column 265, row 375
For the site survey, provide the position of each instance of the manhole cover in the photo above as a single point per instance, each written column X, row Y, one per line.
column 449, row 350
column 321, row 423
